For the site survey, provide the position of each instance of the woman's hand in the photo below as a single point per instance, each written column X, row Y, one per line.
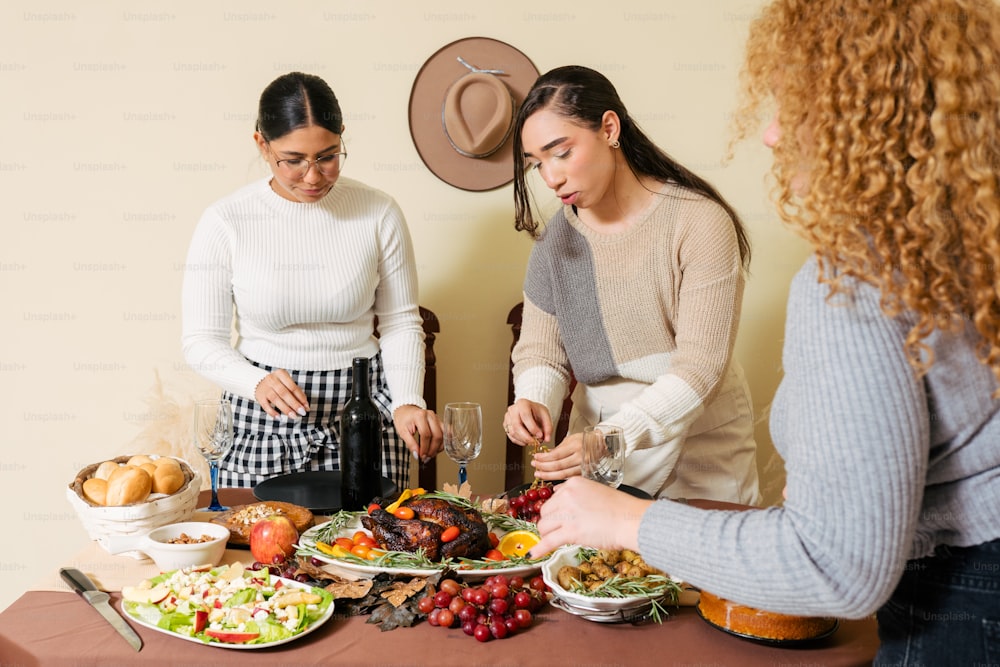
column 584, row 512
column 278, row 394
column 562, row 462
column 421, row 430
column 527, row 422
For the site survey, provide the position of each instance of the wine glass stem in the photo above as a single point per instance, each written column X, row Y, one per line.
column 215, row 506
column 461, row 474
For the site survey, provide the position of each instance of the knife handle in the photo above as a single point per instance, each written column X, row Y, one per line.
column 77, row 580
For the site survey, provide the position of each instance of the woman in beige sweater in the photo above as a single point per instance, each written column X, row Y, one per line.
column 634, row 289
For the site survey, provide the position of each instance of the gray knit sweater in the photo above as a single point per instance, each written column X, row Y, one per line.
column 882, row 467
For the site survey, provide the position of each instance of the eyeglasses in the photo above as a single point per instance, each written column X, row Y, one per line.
column 297, row 167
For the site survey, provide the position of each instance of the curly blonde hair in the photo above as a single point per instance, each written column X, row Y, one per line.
column 891, row 118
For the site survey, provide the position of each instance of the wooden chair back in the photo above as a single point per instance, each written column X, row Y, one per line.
column 427, row 476
column 514, row 463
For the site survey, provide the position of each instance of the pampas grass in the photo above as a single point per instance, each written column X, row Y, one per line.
column 170, row 422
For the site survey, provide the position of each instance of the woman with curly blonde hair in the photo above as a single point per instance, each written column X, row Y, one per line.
column 886, row 140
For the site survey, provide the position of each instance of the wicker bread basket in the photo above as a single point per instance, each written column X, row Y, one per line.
column 139, row 518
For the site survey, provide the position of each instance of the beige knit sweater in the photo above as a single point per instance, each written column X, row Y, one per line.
column 658, row 303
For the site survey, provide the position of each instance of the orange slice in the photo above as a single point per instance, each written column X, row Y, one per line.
column 517, row 543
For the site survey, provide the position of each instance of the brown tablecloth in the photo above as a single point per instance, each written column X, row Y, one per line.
column 49, row 627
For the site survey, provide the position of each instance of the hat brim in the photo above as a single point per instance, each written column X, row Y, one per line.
column 430, row 87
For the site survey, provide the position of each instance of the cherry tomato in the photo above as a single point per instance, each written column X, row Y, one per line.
column 366, row 540
column 373, row 507
column 450, row 533
column 494, row 540
column 374, row 554
column 345, row 542
column 494, row 554
column 360, row 550
column 403, row 513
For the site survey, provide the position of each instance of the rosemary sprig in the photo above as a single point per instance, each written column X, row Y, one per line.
column 329, row 531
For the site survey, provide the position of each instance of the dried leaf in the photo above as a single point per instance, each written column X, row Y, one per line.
column 397, row 617
column 350, row 590
column 401, row 591
column 464, row 491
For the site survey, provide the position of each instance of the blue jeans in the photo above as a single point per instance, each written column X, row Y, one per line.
column 945, row 611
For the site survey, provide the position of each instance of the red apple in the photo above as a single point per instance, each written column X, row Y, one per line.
column 231, row 636
column 271, row 537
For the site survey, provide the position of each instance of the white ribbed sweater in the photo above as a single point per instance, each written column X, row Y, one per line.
column 304, row 282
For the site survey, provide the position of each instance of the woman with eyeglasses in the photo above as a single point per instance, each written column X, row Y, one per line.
column 305, row 260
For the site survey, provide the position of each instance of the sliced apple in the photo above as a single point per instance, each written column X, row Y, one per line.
column 296, row 597
column 152, row 595
column 231, row 637
column 234, row 571
column 200, row 620
column 238, row 615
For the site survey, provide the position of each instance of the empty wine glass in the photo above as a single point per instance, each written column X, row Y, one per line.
column 213, row 437
column 603, row 455
column 463, row 434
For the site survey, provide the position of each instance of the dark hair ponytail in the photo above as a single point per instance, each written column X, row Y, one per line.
column 583, row 95
column 297, row 100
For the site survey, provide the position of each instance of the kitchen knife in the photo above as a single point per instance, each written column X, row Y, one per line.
column 82, row 584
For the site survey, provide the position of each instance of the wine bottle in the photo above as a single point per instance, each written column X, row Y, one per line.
column 360, row 443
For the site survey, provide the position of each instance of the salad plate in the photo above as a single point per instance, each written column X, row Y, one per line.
column 228, row 606
column 471, row 571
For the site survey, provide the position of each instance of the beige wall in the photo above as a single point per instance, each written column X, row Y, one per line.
column 121, row 123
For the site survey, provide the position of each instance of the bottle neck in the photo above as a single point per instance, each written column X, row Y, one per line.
column 359, row 379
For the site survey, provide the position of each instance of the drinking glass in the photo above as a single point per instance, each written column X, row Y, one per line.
column 604, row 455
column 213, row 437
column 463, row 434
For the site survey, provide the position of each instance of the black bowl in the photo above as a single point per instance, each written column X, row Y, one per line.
column 631, row 490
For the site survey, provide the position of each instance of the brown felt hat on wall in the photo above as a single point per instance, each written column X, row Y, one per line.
column 462, row 109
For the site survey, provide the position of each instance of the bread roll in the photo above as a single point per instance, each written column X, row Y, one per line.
column 166, row 461
column 149, row 468
column 121, row 470
column 105, row 469
column 138, row 460
column 128, row 485
column 167, row 479
column 95, row 490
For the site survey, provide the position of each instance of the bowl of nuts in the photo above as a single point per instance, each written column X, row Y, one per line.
column 175, row 545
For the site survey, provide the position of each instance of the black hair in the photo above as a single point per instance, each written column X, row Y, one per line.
column 583, row 95
column 297, row 100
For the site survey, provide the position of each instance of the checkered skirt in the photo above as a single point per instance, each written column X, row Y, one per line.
column 264, row 447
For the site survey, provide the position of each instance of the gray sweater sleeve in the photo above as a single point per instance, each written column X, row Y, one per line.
column 851, row 421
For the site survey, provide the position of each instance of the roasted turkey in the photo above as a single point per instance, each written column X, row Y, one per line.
column 431, row 517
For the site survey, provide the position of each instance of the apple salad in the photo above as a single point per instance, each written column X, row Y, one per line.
column 227, row 604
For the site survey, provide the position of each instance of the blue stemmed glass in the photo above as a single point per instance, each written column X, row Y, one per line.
column 213, row 437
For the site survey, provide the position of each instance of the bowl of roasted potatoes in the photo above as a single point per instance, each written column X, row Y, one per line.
column 606, row 585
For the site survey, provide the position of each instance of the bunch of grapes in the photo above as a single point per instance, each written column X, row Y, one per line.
column 528, row 505
column 498, row 608
column 281, row 568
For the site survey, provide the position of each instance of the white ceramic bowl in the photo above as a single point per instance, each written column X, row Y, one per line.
column 584, row 603
column 156, row 544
